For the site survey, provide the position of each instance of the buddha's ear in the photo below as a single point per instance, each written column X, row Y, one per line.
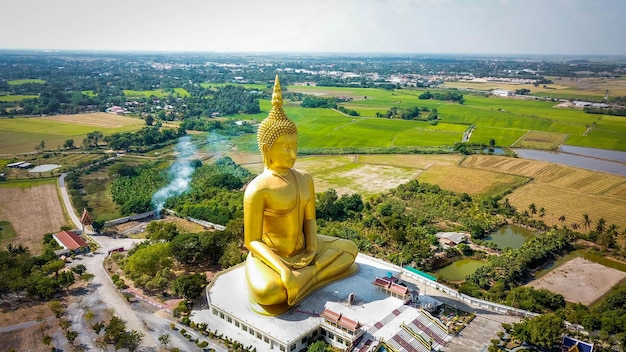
column 265, row 148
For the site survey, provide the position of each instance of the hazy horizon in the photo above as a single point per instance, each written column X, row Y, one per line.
column 368, row 27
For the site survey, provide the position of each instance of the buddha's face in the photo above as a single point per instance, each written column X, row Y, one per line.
column 283, row 153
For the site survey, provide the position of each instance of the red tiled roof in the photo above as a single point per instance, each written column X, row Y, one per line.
column 330, row 315
column 381, row 282
column 349, row 323
column 399, row 289
column 70, row 240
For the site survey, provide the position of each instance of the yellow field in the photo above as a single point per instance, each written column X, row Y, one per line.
column 580, row 180
column 97, row 119
column 570, row 203
column 42, row 207
column 471, row 181
column 515, row 166
column 561, row 190
column 579, row 86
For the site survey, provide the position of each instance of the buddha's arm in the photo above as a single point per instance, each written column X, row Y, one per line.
column 253, row 230
column 309, row 226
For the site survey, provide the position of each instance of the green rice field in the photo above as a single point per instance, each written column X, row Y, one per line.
column 16, row 82
column 14, row 98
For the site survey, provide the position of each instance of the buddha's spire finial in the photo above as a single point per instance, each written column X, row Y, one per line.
column 277, row 95
column 276, row 123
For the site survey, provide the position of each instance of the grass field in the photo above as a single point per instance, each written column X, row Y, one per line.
column 159, row 93
column 17, row 82
column 14, row 98
column 20, row 135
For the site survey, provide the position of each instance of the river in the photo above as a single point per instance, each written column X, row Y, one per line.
column 609, row 161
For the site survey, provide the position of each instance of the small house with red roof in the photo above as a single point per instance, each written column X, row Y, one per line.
column 70, row 241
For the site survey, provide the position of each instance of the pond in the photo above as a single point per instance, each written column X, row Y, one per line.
column 460, row 269
column 582, row 254
column 510, row 236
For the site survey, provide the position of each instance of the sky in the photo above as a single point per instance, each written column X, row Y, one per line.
column 534, row 27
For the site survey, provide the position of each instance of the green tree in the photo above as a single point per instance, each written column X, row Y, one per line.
column 189, row 286
column 69, row 144
column 601, row 225
column 543, row 331
column 587, row 221
column 146, row 262
column 160, row 230
column 164, row 340
column 71, row 336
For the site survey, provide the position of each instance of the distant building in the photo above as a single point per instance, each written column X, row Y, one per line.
column 70, row 241
column 502, row 93
column 451, row 238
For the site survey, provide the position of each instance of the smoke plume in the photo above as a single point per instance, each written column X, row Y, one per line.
column 179, row 173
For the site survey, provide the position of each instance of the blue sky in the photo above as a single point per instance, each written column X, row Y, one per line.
column 568, row 27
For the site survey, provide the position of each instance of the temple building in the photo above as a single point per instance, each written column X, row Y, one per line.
column 367, row 311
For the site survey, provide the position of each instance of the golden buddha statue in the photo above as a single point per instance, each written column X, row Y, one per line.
column 288, row 260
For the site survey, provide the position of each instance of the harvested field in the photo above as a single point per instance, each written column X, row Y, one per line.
column 580, row 180
column 33, row 212
column 515, row 166
column 580, row 280
column 471, row 181
column 569, row 202
column 97, row 119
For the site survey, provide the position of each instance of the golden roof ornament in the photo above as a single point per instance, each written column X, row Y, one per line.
column 276, row 123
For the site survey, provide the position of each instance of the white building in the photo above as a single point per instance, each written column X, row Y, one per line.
column 347, row 314
column 502, row 93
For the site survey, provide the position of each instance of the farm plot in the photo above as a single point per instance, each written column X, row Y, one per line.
column 19, row 135
column 345, row 174
column 540, row 140
column 580, row 180
column 33, row 212
column 471, row 181
column 515, row 166
column 572, row 204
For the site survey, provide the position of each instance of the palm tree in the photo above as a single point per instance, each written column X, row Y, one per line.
column 562, row 219
column 542, row 212
column 533, row 208
column 601, row 225
column 575, row 226
column 612, row 230
column 586, row 221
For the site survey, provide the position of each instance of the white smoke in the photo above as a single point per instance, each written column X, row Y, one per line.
column 179, row 173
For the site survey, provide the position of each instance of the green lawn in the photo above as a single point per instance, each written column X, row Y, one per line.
column 23, row 134
column 159, row 93
column 16, row 82
column 14, row 98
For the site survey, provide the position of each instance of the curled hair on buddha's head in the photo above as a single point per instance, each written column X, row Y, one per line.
column 276, row 124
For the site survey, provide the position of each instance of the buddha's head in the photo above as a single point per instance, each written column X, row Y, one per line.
column 275, row 125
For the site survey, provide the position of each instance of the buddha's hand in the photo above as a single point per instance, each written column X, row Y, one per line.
column 289, row 280
column 304, row 260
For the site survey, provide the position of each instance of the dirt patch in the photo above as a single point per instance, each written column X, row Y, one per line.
column 32, row 212
column 30, row 311
column 580, row 280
